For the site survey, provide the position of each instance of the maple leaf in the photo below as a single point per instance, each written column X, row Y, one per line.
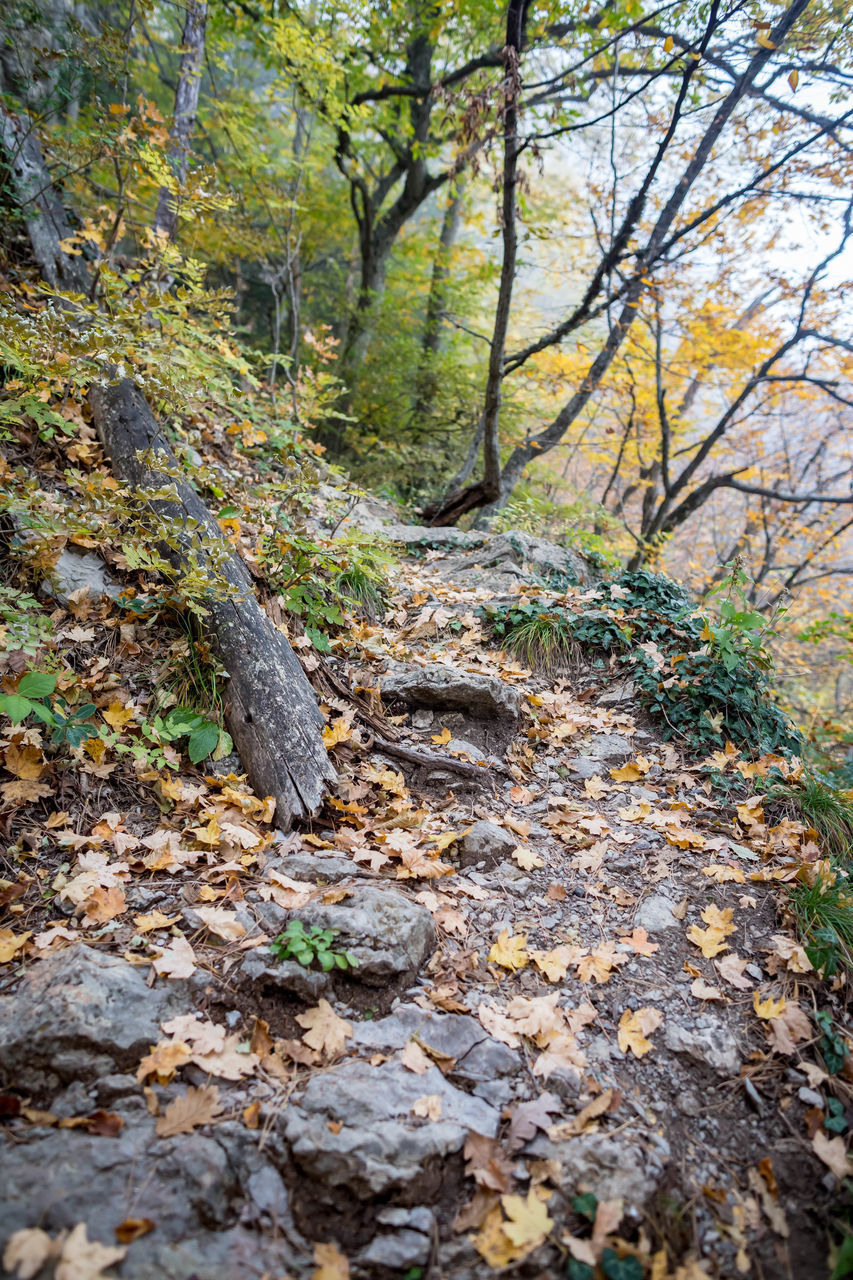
column 222, row 922
column 427, row 1107
column 103, row 905
column 24, row 792
column 441, row 739
column 155, row 920
column 486, row 1162
column 833, row 1153
column 340, row 730
column 204, row 1036
column 723, row 873
column 595, row 787
column 499, row 1025
column 639, row 942
column 176, row 961
column 331, row 1263
column 555, row 963
column 731, row 968
column 599, row 964
column 561, row 1054
column 85, row 1259
column 635, row 1027
column 193, row 1108
column 27, row 1251
column 414, row 1058
column 509, row 952
column 537, row 1016
column 325, row 1030
column 11, row 943
column 163, row 1061
column 529, row 1221
column 577, row 1124
column 526, row 858
column 25, row 762
column 631, row 772
column 702, row 991
column 117, row 716
column 786, row 1031
column 711, row 941
column 769, row 1008
column 492, row 1242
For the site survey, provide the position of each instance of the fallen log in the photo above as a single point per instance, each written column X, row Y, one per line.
column 270, row 708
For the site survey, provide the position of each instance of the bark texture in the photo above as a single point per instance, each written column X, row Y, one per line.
column 270, row 708
column 186, row 110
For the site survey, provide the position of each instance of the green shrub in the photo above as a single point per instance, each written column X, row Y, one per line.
column 307, row 945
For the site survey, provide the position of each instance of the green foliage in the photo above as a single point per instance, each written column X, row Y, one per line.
column 616, row 1268
column 742, row 631
column 649, row 627
column 36, row 695
column 204, row 737
column 823, row 912
column 538, row 637
column 832, row 1044
column 24, row 626
column 842, row 1259
column 822, row 807
column 307, row 945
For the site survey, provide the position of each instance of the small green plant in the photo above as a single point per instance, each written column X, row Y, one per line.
column 307, row 945
column 823, row 912
column 742, row 630
column 36, row 695
column 538, row 637
column 832, row 1046
column 23, row 623
column 204, row 737
column 820, row 806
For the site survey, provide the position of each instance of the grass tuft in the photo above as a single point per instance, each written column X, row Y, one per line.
column 537, row 638
column 823, row 913
column 820, row 806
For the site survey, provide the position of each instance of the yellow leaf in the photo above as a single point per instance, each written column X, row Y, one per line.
column 338, row 731
column 768, row 1008
column 765, row 42
column 711, row 941
column 155, row 920
column 10, row 943
column 529, row 1221
column 510, row 952
column 794, row 79
column 724, row 873
column 428, row 1107
column 331, row 1263
column 440, row 739
column 118, row 716
column 526, row 858
column 635, row 1027
column 668, row 44
column 492, row 1242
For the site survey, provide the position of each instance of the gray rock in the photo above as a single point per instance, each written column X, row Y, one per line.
column 408, row 1246
column 319, row 867
column 389, row 935
column 582, row 767
column 611, row 1168
column 608, row 746
column 416, row 535
column 77, row 568
column 810, row 1097
column 458, row 745
column 380, row 1147
column 260, row 968
column 478, row 1056
column 714, row 1046
column 654, row 914
column 539, row 556
column 451, row 689
column 689, row 1103
column 486, row 842
column 83, row 1013
column 622, row 691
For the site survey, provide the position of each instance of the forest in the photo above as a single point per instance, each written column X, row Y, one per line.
column 426, row 639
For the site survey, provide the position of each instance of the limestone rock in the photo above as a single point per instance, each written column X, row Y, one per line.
column 261, row 969
column 654, row 914
column 381, row 1147
column 713, row 1045
column 417, row 535
column 406, row 1245
column 611, row 1168
column 479, row 1057
column 539, row 556
column 76, row 569
column 82, row 1012
column 451, row 689
column 389, row 935
column 486, row 842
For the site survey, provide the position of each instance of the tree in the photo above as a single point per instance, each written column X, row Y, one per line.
column 183, row 121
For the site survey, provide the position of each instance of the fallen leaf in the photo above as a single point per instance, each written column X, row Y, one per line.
column 132, row 1228
column 325, row 1030
column 634, row 1027
column 527, row 1117
column 331, row 1263
column 414, row 1058
column 195, row 1107
column 11, row 943
column 711, row 941
column 85, row 1259
column 833, row 1153
column 222, row 922
column 791, row 1027
column 702, row 991
column 731, row 968
column 175, row 961
column 640, row 944
column 154, row 920
column 529, row 1222
column 163, row 1061
column 768, row 1008
column 428, row 1107
column 509, row 952
column 526, row 858
column 27, row 1251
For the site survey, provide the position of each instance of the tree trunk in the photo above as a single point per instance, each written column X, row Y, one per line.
column 186, row 109
column 270, row 708
column 426, row 383
column 488, row 490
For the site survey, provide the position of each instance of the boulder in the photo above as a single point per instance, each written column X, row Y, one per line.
column 76, row 569
column 82, row 1013
column 379, row 1147
column 451, row 689
column 418, row 536
column 539, row 556
column 388, row 934
column 654, row 914
column 262, row 969
column 611, row 1168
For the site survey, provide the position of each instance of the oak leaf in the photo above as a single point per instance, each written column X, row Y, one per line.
column 195, row 1107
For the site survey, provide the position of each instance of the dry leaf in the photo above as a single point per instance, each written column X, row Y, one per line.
column 509, row 952
column 414, row 1058
column 85, row 1259
column 325, row 1031
column 428, row 1107
column 731, row 968
column 526, row 858
column 11, row 943
column 194, row 1108
column 833, row 1153
column 331, row 1263
column 529, row 1221
column 768, row 1008
column 700, row 989
column 711, row 941
column 27, row 1251
column 635, row 1027
column 222, row 922
column 176, row 961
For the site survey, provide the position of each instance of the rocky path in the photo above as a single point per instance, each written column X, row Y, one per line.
column 578, row 1038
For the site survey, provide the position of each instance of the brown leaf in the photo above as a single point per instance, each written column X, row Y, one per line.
column 195, row 1107
column 487, row 1163
column 261, row 1042
column 132, row 1228
column 325, row 1031
column 527, row 1117
column 331, row 1263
